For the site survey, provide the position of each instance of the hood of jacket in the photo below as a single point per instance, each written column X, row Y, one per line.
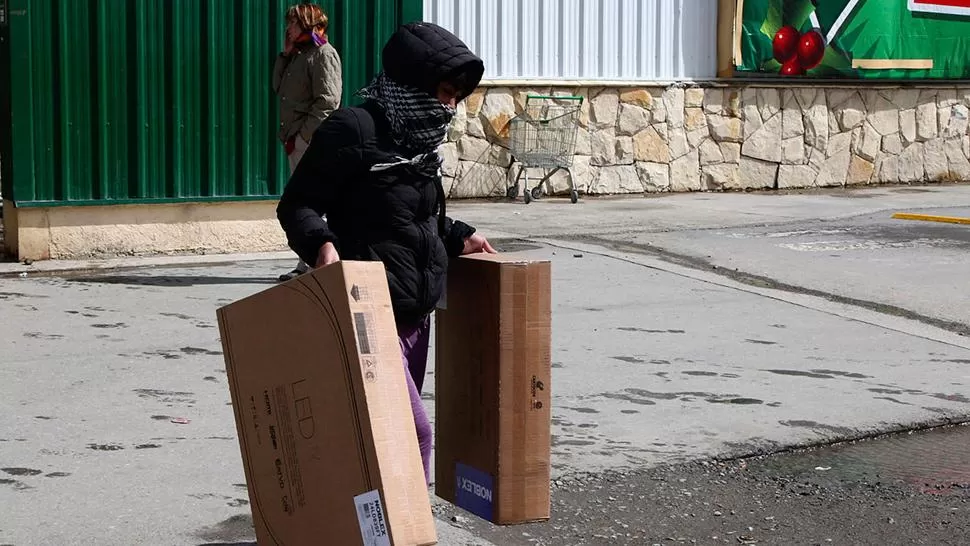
column 423, row 55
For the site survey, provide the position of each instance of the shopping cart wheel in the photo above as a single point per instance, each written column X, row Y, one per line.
column 527, row 196
column 537, row 193
column 512, row 192
column 574, row 196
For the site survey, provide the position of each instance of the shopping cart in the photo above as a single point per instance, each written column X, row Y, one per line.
column 544, row 137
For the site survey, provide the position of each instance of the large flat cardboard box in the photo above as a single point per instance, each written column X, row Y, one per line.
column 322, row 412
column 492, row 392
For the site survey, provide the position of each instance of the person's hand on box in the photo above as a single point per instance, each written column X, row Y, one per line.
column 327, row 255
column 477, row 243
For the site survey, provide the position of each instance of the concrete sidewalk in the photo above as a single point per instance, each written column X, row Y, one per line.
column 659, row 355
column 558, row 218
column 653, row 363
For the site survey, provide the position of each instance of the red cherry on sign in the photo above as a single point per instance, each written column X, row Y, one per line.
column 785, row 44
column 792, row 68
column 811, row 49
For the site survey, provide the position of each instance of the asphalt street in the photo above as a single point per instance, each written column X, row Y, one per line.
column 695, row 336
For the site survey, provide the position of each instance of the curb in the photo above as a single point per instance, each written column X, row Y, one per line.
column 50, row 268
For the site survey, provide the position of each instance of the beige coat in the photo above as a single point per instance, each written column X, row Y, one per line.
column 308, row 85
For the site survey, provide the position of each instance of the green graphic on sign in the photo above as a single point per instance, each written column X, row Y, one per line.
column 867, row 39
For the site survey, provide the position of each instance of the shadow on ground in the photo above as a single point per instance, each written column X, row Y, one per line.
column 171, row 280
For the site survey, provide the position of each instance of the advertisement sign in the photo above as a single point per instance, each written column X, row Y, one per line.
column 854, row 39
column 948, row 7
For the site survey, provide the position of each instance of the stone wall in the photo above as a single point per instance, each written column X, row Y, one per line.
column 674, row 139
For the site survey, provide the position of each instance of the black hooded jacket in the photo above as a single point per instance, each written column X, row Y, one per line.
column 395, row 216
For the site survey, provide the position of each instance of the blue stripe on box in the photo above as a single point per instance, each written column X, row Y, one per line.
column 473, row 491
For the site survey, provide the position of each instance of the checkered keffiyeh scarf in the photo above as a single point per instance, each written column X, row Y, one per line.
column 419, row 122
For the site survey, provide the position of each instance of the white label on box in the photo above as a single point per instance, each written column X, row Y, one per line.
column 370, row 514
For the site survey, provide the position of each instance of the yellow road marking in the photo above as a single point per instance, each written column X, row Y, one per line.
column 931, row 218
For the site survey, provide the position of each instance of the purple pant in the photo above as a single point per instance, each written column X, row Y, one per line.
column 414, row 339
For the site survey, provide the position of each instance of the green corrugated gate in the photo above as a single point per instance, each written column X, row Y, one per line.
column 134, row 101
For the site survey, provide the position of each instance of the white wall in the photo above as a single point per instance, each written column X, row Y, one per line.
column 628, row 40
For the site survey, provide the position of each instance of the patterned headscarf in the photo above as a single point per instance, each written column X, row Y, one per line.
column 419, row 122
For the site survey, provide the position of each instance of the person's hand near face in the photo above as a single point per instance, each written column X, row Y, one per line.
column 293, row 32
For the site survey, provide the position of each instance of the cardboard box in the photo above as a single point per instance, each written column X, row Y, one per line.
column 492, row 392
column 322, row 412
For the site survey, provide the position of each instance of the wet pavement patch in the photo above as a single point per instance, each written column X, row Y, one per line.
column 952, row 398
column 647, row 398
column 147, row 446
column 628, row 398
column 167, row 355
column 115, row 325
column 851, row 375
column 556, row 442
column 799, row 373
column 105, row 447
column 57, row 475
column 628, row 359
column 934, row 461
column 760, row 342
column 12, row 295
column 843, row 431
column 40, row 335
column 198, row 351
column 891, row 399
column 738, row 401
column 649, row 331
column 776, row 500
column 16, row 484
column 655, row 395
column 17, row 471
column 583, row 410
column 885, row 391
column 166, row 396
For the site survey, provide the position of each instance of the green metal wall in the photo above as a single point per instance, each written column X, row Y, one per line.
column 133, row 101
